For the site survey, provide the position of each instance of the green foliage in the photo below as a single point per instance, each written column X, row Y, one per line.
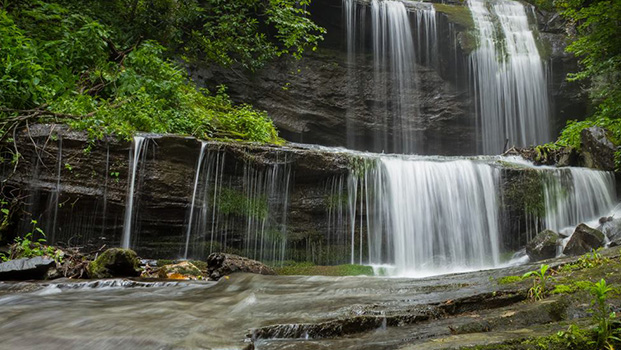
column 598, row 47
column 232, row 201
column 538, row 290
column 29, row 247
column 608, row 327
column 5, row 217
column 244, row 32
column 588, row 260
column 63, row 59
column 572, row 287
column 309, row 268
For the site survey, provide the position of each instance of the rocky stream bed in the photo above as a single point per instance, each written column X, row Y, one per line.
column 247, row 311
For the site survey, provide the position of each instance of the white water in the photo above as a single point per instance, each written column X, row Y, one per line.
column 134, row 159
column 394, row 83
column 431, row 217
column 257, row 207
column 192, row 205
column 509, row 80
column 395, row 75
column 576, row 195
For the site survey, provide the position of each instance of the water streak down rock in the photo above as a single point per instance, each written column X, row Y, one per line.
column 302, row 203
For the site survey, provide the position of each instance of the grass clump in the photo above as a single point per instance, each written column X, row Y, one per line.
column 309, row 268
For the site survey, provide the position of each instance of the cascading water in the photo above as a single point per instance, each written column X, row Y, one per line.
column 576, row 195
column 509, row 80
column 255, row 210
column 394, row 59
column 194, row 191
column 134, row 159
column 395, row 76
column 426, row 34
column 427, row 216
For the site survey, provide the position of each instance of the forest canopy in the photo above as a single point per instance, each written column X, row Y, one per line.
column 113, row 67
column 597, row 44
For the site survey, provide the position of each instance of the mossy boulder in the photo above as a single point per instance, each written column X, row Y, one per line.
column 543, row 246
column 115, row 262
column 184, row 270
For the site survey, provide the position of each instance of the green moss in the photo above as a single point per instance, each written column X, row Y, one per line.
column 308, row 268
column 235, row 202
column 333, row 201
column 572, row 339
column 458, row 14
column 360, row 165
column 510, row 279
column 528, row 191
column 115, row 262
column 163, row 262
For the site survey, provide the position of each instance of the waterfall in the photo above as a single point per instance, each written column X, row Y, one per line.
column 427, row 216
column 54, row 199
column 194, row 191
column 509, row 80
column 247, row 218
column 394, row 74
column 576, row 195
column 134, row 158
column 427, row 34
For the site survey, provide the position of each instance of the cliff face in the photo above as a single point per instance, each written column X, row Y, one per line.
column 312, row 99
column 77, row 191
column 264, row 202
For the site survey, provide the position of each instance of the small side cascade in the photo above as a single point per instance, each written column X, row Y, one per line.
column 53, row 201
column 509, row 79
column 426, row 34
column 199, row 164
column 135, row 153
column 576, row 195
column 247, row 218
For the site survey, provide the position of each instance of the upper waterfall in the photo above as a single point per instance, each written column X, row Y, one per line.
column 509, row 79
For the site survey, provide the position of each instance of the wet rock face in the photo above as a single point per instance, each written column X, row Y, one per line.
column 26, row 268
column 221, row 264
column 83, row 204
column 310, row 100
column 612, row 229
column 597, row 149
column 583, row 240
column 115, row 262
column 543, row 246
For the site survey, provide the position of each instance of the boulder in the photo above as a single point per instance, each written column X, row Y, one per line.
column 27, row 268
column 597, row 149
column 184, row 270
column 115, row 262
column 612, row 229
column 543, row 246
column 583, row 240
column 221, row 264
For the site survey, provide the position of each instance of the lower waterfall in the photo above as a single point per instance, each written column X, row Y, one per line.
column 414, row 215
column 431, row 216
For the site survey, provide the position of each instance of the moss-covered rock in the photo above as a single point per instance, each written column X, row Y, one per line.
column 184, row 270
column 115, row 262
